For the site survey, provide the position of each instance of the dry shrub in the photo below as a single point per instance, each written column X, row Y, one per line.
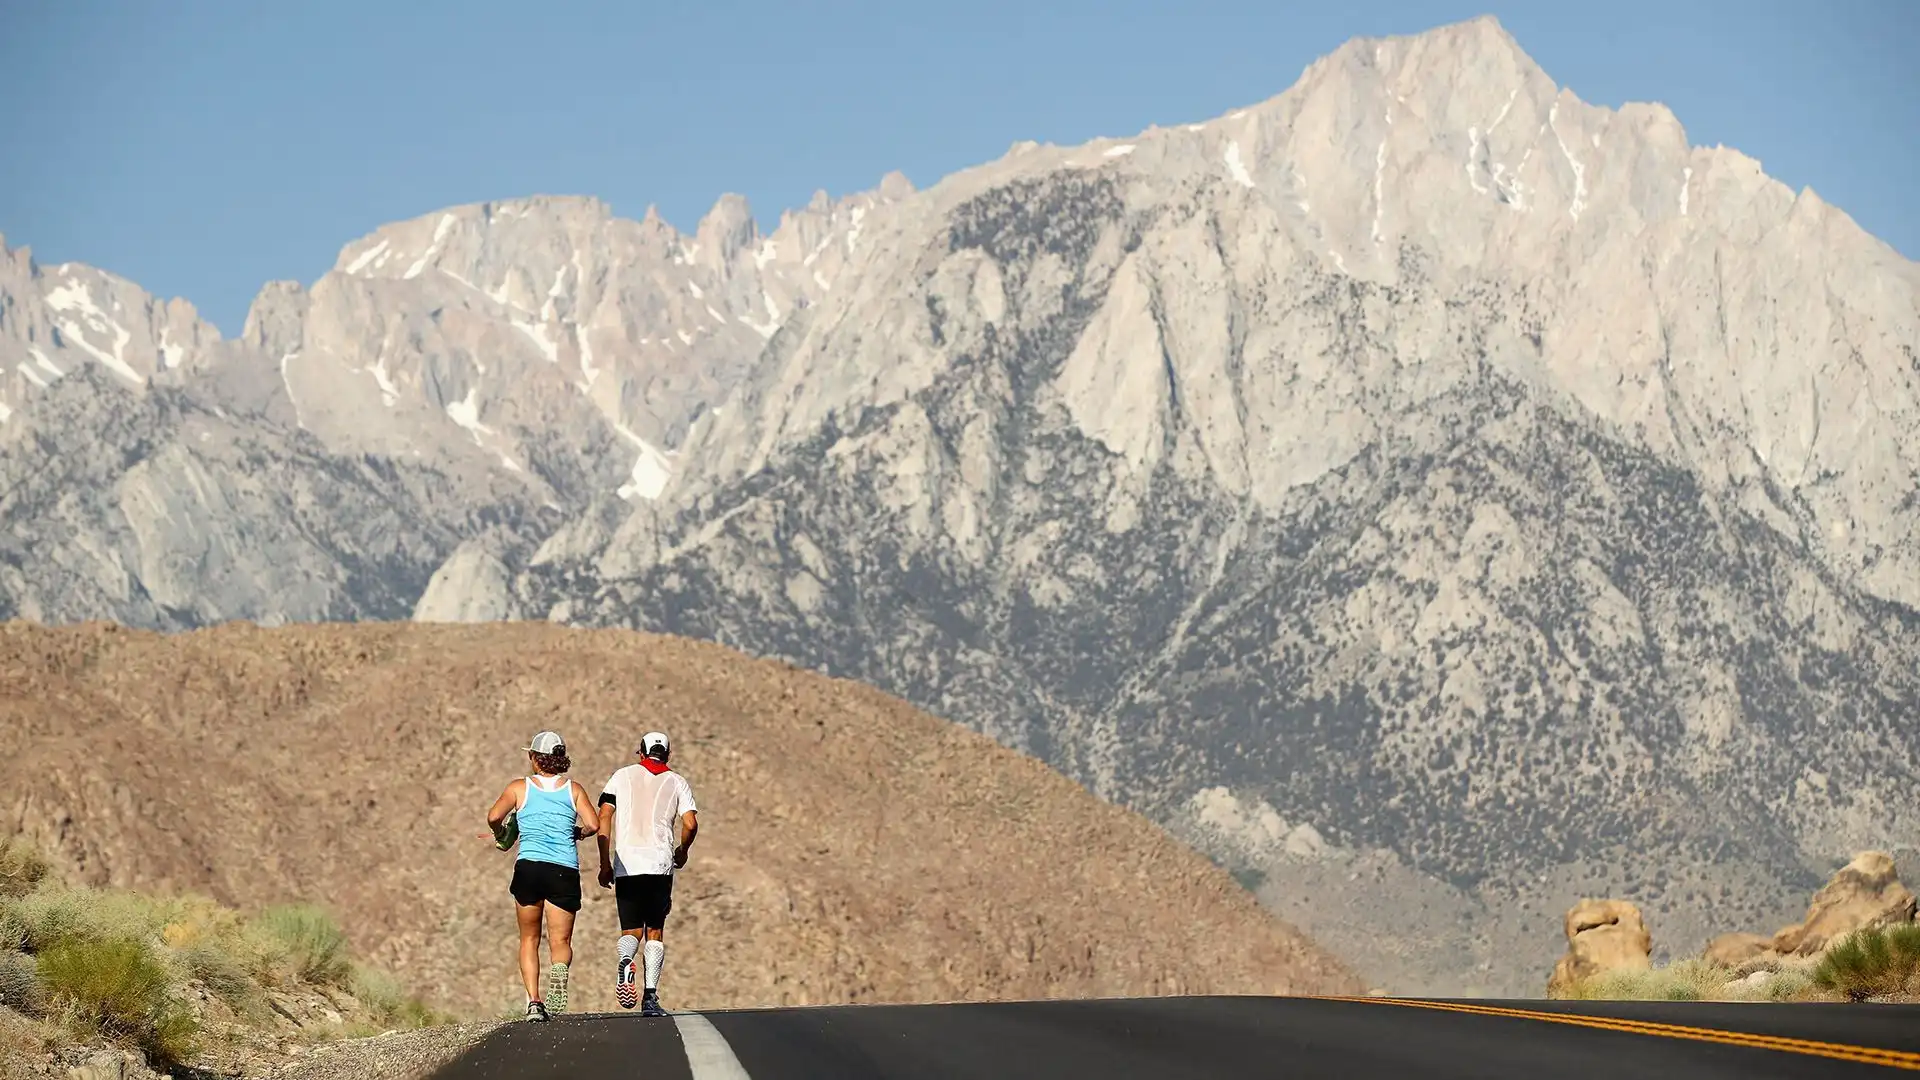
column 23, row 1044
column 22, row 867
column 20, row 984
column 1791, row 984
column 1872, row 963
column 122, row 989
column 311, row 941
column 389, row 1001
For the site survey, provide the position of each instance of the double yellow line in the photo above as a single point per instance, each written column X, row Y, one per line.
column 1865, row 1055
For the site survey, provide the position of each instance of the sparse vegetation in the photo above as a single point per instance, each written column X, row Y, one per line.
column 1873, row 963
column 1688, row 980
column 84, row 966
column 1694, row 980
column 311, row 939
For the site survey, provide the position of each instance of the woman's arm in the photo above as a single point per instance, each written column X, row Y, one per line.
column 588, row 821
column 503, row 806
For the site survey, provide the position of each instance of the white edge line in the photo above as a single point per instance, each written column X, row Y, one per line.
column 708, row 1055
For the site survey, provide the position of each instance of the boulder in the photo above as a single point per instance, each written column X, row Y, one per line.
column 1602, row 935
column 1863, row 895
column 1737, row 951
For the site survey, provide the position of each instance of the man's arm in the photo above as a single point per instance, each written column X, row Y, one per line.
column 689, row 821
column 690, row 827
column 606, row 839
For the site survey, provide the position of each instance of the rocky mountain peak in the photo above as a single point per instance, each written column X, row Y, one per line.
column 724, row 232
column 19, row 260
column 895, row 186
column 56, row 319
column 273, row 319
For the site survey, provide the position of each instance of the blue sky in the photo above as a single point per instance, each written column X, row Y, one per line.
column 203, row 147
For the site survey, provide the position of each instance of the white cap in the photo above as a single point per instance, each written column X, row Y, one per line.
column 546, row 743
column 654, row 739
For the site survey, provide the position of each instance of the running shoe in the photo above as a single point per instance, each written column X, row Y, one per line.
column 650, row 1004
column 537, row 1012
column 623, row 987
column 557, row 987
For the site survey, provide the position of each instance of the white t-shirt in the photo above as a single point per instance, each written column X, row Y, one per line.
column 646, row 818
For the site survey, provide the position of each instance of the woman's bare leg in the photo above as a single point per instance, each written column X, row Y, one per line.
column 560, row 935
column 529, row 919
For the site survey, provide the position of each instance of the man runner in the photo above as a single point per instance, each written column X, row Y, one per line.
column 647, row 823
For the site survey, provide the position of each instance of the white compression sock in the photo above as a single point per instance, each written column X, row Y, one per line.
column 629, row 945
column 656, row 956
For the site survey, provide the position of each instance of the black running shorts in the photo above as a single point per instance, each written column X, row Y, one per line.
column 534, row 882
column 644, row 899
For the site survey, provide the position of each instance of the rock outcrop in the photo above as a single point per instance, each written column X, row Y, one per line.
column 1602, row 935
column 1865, row 894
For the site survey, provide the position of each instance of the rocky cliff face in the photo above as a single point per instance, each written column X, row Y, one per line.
column 1422, row 471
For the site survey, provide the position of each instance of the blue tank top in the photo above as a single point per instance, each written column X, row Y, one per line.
column 546, row 826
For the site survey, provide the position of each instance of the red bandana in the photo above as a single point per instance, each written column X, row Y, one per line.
column 654, row 767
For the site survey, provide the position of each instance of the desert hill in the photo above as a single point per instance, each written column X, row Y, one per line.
column 851, row 849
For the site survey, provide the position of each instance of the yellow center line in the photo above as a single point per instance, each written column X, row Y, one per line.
column 1867, row 1055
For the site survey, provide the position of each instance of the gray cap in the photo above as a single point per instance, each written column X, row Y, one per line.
column 546, row 742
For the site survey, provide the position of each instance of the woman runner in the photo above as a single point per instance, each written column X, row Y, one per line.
column 551, row 814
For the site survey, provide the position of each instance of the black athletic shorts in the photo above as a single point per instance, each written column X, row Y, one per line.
column 534, row 882
column 644, row 899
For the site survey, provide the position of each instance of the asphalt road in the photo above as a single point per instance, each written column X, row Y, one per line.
column 1173, row 1038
